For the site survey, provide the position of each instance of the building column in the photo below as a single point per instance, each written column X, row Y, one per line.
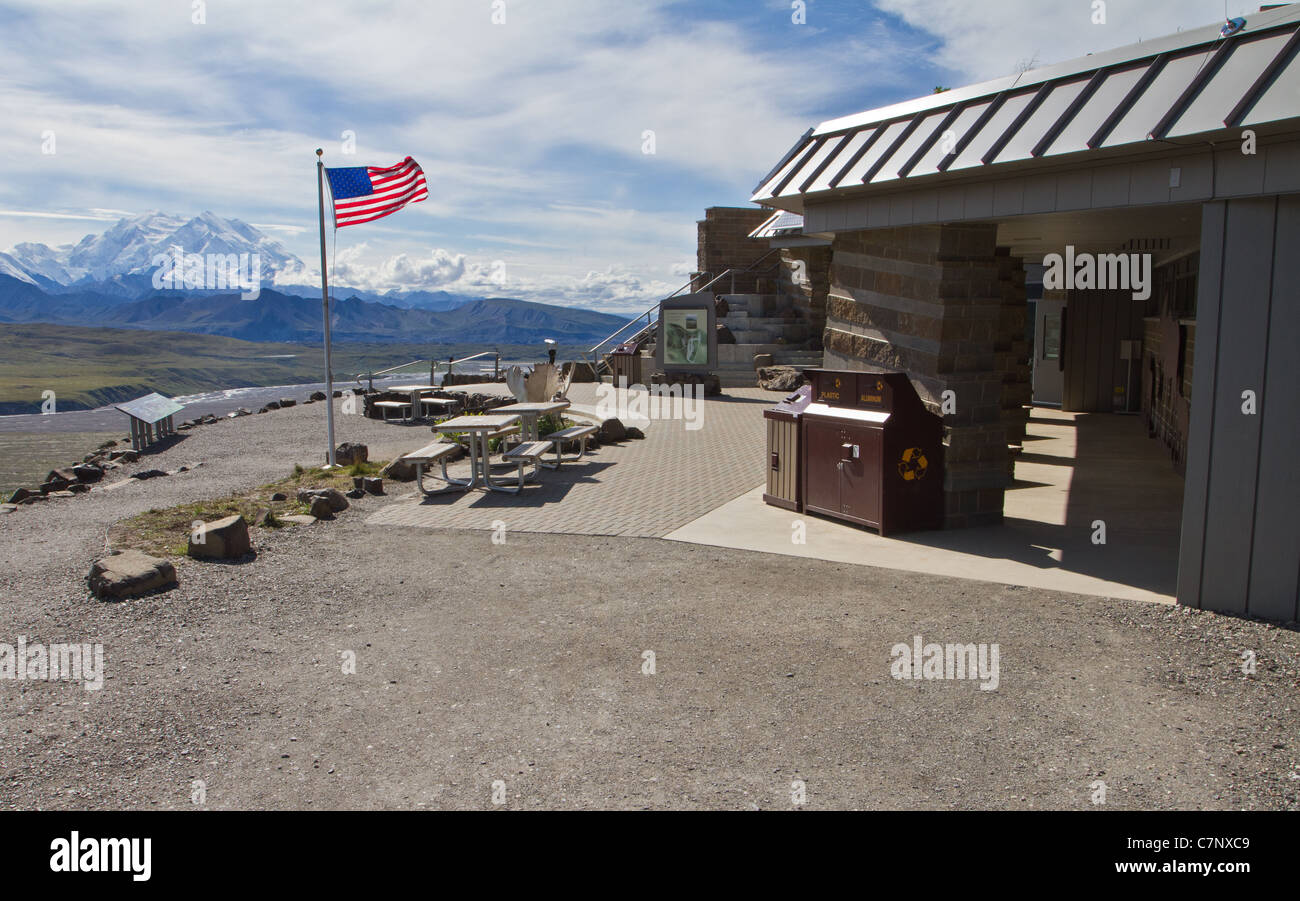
column 927, row 300
column 1011, row 353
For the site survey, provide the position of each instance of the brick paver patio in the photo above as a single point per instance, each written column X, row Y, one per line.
column 643, row 488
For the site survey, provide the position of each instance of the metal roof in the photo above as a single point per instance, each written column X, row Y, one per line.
column 1192, row 83
column 150, row 408
column 779, row 224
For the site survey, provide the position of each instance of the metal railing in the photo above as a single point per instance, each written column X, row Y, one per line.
column 593, row 355
column 433, row 367
column 496, row 364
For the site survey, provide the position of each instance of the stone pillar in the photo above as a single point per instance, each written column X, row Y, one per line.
column 1011, row 352
column 805, row 279
column 927, row 300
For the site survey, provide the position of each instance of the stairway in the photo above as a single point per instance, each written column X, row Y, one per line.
column 762, row 324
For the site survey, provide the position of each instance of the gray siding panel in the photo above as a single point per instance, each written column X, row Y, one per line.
column 1242, row 343
column 1275, row 562
column 1196, row 480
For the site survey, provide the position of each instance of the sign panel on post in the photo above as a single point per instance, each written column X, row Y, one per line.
column 688, row 335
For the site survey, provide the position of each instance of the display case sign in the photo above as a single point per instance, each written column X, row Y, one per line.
column 687, row 340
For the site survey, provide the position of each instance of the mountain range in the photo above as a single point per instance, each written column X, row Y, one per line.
column 108, row 280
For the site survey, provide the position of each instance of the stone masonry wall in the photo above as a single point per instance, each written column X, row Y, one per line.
column 808, row 295
column 723, row 243
column 928, row 300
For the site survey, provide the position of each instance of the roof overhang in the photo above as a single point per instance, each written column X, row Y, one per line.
column 1191, row 88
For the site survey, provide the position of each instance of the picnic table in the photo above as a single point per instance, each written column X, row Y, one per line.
column 530, row 414
column 478, row 428
column 417, row 399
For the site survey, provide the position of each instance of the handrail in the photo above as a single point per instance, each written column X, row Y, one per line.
column 496, row 369
column 647, row 315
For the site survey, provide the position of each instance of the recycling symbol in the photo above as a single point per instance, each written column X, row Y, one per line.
column 913, row 465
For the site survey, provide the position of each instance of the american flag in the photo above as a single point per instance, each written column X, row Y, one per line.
column 365, row 193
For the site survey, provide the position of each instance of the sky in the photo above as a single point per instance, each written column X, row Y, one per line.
column 570, row 146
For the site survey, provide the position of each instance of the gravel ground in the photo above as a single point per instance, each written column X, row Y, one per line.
column 522, row 663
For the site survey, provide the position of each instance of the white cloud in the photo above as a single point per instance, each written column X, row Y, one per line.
column 981, row 41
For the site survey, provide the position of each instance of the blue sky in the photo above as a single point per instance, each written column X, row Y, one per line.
column 530, row 131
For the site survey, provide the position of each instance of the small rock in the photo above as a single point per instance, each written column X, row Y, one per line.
column 317, row 395
column 129, row 574
column 224, row 539
column 355, row 493
column 20, row 495
column 399, row 470
column 124, row 456
column 372, row 485
column 78, row 488
column 298, row 519
column 87, row 472
column 287, row 402
column 634, row 432
column 320, row 508
column 279, row 496
column 272, row 405
column 148, row 474
column 338, row 503
column 347, row 454
column 262, row 517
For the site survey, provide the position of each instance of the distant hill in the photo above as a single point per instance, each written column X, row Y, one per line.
column 275, row 316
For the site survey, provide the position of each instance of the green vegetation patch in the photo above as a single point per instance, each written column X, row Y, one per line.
column 165, row 532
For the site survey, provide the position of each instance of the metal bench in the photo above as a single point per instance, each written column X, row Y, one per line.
column 439, row 404
column 404, row 407
column 437, row 452
column 522, row 454
column 579, row 433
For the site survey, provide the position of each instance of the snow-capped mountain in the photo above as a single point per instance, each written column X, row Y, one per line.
column 130, row 247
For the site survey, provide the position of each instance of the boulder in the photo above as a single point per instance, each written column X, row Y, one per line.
column 287, row 402
column 779, row 378
column 399, row 471
column 338, row 393
column 19, row 495
column 317, row 395
column 279, row 496
column 347, row 453
column 612, row 430
column 272, row 405
column 129, row 574
column 129, row 456
column 724, row 335
column 762, row 361
column 634, row 432
column 223, row 539
column 372, row 485
column 320, row 508
column 85, row 472
column 338, row 503
column 54, row 485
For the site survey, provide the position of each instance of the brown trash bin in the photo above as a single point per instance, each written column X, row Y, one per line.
column 872, row 454
column 784, row 475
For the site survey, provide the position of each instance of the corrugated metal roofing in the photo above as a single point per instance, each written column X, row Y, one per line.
column 778, row 224
column 1187, row 84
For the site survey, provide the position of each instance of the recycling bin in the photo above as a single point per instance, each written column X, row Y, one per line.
column 783, row 442
column 871, row 453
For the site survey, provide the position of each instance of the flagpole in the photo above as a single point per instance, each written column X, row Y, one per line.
column 325, row 305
